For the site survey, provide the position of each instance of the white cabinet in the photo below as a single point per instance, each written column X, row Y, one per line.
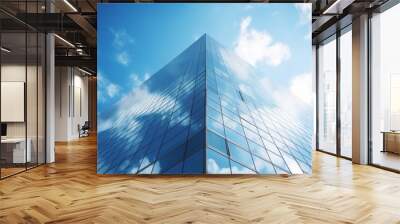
column 19, row 155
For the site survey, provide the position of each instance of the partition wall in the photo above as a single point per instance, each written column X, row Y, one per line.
column 22, row 76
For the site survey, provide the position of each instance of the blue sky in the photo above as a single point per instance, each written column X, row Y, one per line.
column 136, row 40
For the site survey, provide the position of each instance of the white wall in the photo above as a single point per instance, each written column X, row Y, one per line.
column 71, row 94
column 17, row 73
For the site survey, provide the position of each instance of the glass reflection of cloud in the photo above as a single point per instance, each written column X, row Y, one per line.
column 216, row 163
column 239, row 169
column 260, row 137
column 241, row 156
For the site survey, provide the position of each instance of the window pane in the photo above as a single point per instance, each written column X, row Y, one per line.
column 263, row 167
column 195, row 163
column 253, row 136
column 277, row 160
column 236, row 138
column 239, row 169
column 169, row 158
column 385, row 88
column 216, row 163
column 147, row 170
column 233, row 125
column 258, row 150
column 216, row 142
column 293, row 166
column 214, row 114
column 346, row 94
column 177, row 169
column 215, row 126
column 240, row 155
column 194, row 143
column 327, row 96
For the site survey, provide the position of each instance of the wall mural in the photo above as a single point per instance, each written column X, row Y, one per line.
column 205, row 89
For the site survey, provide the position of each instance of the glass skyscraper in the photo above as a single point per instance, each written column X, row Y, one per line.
column 204, row 113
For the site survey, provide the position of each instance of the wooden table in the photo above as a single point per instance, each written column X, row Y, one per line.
column 391, row 141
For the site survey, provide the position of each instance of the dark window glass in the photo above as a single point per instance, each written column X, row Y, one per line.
column 196, row 127
column 147, row 170
column 195, row 163
column 177, row 169
column 195, row 143
column 177, row 140
column 169, row 159
column 150, row 157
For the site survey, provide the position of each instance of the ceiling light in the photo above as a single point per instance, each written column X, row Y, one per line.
column 70, row 5
column 65, row 41
column 84, row 71
column 5, row 50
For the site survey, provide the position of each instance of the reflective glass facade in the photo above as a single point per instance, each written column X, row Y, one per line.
column 201, row 117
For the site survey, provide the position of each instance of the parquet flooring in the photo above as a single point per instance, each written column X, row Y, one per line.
column 70, row 191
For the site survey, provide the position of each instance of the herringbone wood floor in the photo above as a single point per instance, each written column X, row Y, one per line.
column 70, row 191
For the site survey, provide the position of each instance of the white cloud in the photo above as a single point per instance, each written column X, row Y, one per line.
column 247, row 90
column 265, row 84
column 112, row 90
column 106, row 88
column 301, row 87
column 239, row 170
column 123, row 58
column 258, row 47
column 104, row 124
column 137, row 80
column 304, row 12
column 146, row 76
column 238, row 67
column 297, row 98
column 120, row 41
column 121, row 38
column 213, row 167
column 129, row 107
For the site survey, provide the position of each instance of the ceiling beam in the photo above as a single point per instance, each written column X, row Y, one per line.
column 81, row 61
